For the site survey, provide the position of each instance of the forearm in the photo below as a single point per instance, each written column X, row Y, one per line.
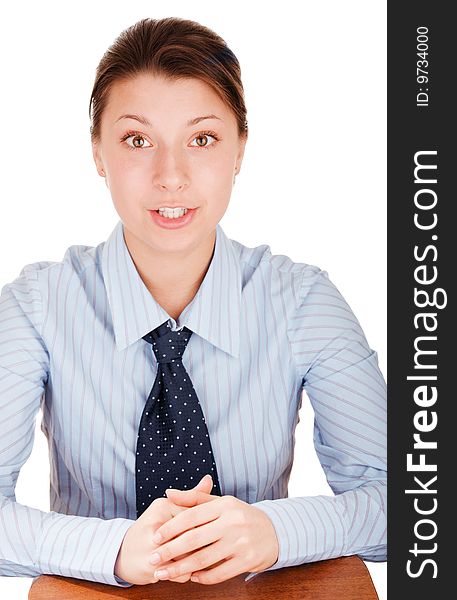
column 34, row 542
column 322, row 527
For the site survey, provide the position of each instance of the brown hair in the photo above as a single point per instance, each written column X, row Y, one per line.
column 173, row 48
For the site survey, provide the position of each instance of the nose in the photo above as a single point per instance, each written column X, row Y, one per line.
column 171, row 171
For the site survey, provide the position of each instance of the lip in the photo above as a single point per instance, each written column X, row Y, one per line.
column 173, row 223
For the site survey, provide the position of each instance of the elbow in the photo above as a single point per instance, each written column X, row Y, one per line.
column 374, row 553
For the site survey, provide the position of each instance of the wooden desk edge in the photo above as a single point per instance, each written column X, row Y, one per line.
column 51, row 587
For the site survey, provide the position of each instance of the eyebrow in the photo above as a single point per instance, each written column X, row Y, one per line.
column 144, row 121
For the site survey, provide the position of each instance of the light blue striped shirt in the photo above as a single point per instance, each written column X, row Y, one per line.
column 265, row 329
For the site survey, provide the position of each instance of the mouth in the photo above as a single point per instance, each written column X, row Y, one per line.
column 172, row 221
column 174, row 209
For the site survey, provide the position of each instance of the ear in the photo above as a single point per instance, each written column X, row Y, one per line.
column 98, row 159
column 240, row 154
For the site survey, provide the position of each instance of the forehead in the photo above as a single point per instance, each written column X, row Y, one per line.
column 155, row 95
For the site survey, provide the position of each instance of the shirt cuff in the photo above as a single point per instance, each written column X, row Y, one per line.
column 272, row 510
column 121, row 583
column 116, row 546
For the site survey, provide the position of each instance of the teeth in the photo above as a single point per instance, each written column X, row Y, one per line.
column 172, row 213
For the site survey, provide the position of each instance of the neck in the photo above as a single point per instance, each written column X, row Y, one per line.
column 172, row 279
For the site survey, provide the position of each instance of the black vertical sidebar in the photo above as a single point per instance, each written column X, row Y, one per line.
column 422, row 257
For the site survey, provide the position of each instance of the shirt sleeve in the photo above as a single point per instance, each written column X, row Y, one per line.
column 347, row 391
column 34, row 542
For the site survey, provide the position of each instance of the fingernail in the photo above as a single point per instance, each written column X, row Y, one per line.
column 194, row 578
column 161, row 573
column 157, row 537
column 155, row 558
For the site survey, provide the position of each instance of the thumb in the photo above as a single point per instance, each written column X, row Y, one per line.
column 197, row 495
column 205, row 484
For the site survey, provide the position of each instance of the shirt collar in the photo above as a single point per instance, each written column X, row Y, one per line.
column 214, row 313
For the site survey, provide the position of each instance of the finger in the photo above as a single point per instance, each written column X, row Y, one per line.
column 206, row 482
column 180, row 579
column 159, row 509
column 192, row 517
column 191, row 540
column 226, row 570
column 159, row 512
column 205, row 557
column 205, row 485
column 183, row 579
column 189, row 497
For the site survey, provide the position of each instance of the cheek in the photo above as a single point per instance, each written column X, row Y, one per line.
column 127, row 173
column 217, row 195
column 215, row 188
column 216, row 175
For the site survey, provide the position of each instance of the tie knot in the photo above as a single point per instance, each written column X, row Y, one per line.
column 168, row 345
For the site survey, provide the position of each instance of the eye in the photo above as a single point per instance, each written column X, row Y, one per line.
column 203, row 135
column 138, row 140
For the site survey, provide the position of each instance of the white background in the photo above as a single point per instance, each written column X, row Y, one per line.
column 312, row 184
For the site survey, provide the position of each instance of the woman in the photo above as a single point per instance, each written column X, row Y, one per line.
column 168, row 134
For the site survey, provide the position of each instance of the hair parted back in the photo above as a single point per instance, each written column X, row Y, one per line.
column 173, row 48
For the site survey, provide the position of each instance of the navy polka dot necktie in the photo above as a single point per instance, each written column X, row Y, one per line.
column 173, row 446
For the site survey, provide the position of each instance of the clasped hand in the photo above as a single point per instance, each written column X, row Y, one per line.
column 221, row 532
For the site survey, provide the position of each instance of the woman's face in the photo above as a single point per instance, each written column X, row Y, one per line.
column 166, row 160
